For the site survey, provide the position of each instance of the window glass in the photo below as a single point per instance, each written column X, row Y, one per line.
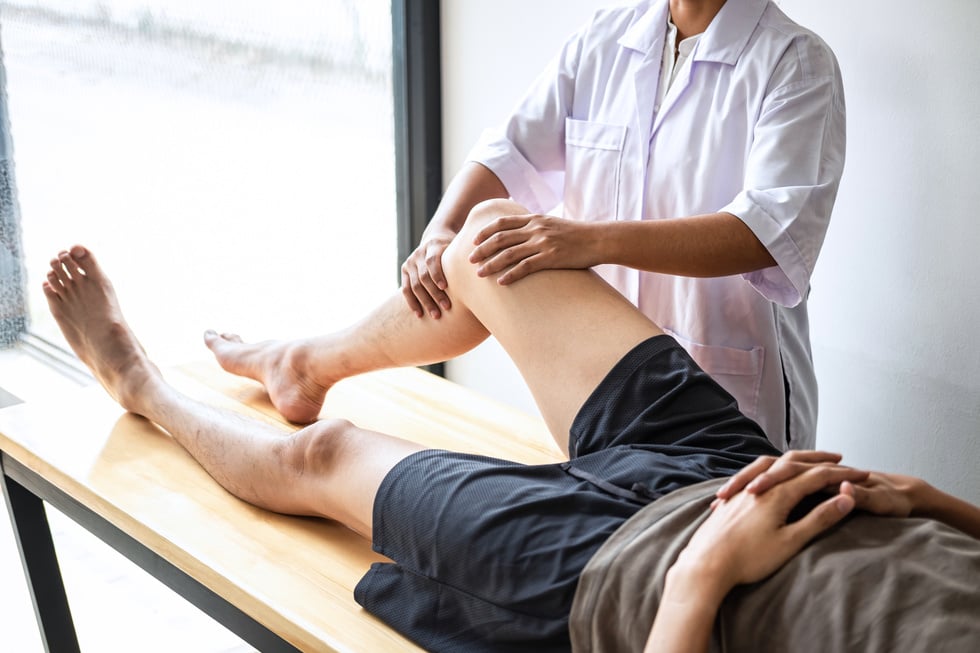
column 231, row 163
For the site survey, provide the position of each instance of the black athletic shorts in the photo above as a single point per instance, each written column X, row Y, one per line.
column 488, row 552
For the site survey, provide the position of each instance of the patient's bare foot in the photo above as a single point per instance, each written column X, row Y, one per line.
column 84, row 304
column 282, row 367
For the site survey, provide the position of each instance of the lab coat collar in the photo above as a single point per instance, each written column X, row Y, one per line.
column 723, row 41
column 729, row 32
column 649, row 27
column 645, row 36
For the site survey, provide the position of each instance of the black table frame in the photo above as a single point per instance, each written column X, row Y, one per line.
column 25, row 493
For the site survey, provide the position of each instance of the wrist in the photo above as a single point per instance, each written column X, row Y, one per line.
column 436, row 231
column 699, row 580
column 924, row 499
column 601, row 241
column 687, row 610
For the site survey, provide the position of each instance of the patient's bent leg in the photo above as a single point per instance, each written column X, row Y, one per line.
column 564, row 329
column 330, row 469
column 298, row 373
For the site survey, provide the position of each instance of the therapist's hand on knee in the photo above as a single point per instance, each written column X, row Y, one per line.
column 519, row 245
column 423, row 281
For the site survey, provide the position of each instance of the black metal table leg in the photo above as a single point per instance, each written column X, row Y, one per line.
column 25, row 490
column 44, row 580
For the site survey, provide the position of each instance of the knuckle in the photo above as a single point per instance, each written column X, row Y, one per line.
column 823, row 473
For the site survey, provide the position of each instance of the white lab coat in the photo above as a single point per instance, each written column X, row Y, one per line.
column 754, row 127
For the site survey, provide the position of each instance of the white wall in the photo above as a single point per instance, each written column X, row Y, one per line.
column 895, row 307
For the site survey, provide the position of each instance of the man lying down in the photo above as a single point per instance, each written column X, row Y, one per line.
column 674, row 525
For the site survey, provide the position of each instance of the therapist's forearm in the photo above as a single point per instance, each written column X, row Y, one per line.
column 713, row 245
column 474, row 183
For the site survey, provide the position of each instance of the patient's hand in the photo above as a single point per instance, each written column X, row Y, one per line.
column 892, row 495
column 895, row 495
column 745, row 539
column 769, row 471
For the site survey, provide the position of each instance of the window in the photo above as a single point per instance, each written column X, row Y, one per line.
column 231, row 163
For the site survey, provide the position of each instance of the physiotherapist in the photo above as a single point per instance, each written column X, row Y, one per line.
column 695, row 149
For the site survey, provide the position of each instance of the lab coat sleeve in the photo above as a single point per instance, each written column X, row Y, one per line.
column 793, row 170
column 527, row 153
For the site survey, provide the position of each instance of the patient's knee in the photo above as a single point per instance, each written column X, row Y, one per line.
column 487, row 211
column 456, row 259
column 318, row 449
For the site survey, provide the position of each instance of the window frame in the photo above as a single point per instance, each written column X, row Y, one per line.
column 13, row 277
column 417, row 91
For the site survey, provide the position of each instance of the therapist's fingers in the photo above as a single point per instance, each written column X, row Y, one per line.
column 417, row 297
column 508, row 256
column 417, row 294
column 433, row 267
column 432, row 277
column 503, row 223
column 497, row 242
column 423, row 281
column 413, row 302
column 528, row 265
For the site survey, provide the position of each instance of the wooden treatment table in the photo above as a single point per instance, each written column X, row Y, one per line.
column 281, row 583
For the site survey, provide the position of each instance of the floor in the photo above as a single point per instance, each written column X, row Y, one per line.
column 114, row 603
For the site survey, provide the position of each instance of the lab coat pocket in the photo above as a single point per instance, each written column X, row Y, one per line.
column 739, row 371
column 593, row 159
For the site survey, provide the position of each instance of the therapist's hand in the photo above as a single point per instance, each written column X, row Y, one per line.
column 528, row 243
column 423, row 281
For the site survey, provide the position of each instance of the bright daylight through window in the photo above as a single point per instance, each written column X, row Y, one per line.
column 232, row 162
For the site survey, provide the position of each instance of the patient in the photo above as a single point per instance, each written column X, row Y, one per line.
column 672, row 504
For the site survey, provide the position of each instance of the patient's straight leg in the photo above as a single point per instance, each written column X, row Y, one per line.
column 330, row 469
